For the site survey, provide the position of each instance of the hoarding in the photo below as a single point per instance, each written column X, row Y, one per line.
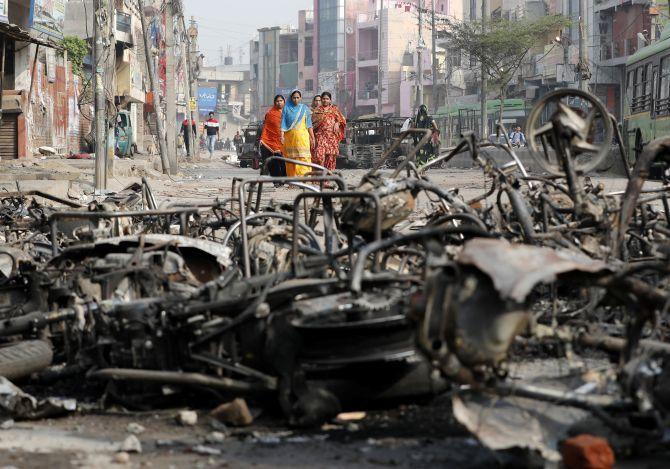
column 207, row 98
column 48, row 17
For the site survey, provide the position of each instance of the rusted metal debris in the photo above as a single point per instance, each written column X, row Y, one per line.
column 360, row 293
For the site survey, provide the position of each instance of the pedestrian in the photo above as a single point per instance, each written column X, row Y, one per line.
column 228, row 143
column 316, row 102
column 517, row 138
column 329, row 125
column 297, row 134
column 212, row 129
column 238, row 141
column 270, row 143
column 186, row 134
column 424, row 121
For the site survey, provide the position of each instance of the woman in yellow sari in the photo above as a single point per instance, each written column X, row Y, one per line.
column 297, row 134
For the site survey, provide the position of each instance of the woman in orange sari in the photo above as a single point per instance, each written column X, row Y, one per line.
column 271, row 144
column 329, row 125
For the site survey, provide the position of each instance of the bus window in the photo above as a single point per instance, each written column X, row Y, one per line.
column 629, row 87
column 637, row 83
column 663, row 106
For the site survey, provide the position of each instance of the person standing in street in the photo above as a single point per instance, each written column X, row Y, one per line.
column 297, row 134
column 186, row 133
column 424, row 121
column 329, row 125
column 212, row 129
column 270, row 143
column 316, row 102
column 238, row 141
column 517, row 138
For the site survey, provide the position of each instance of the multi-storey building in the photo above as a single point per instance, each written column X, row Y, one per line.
column 307, row 53
column 274, row 66
column 620, row 28
column 230, row 85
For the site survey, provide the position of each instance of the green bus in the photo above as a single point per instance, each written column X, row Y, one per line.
column 456, row 119
column 646, row 107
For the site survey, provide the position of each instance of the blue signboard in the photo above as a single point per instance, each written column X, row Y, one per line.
column 207, row 97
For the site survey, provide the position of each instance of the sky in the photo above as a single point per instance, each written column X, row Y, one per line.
column 224, row 23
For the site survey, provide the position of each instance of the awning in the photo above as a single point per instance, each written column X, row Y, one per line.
column 18, row 34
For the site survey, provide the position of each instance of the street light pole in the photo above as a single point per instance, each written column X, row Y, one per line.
column 419, row 55
column 484, row 86
column 100, row 102
column 583, row 56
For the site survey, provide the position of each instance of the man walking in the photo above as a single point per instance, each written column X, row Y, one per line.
column 212, row 129
column 186, row 133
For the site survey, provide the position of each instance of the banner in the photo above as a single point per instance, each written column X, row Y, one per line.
column 207, row 99
column 48, row 17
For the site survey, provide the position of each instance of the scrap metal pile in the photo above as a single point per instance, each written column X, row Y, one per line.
column 393, row 289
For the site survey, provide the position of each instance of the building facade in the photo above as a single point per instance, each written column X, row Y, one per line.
column 40, row 102
column 274, row 66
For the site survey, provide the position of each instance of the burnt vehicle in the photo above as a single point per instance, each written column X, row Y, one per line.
column 360, row 293
column 367, row 139
column 249, row 152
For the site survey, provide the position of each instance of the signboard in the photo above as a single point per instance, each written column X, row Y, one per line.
column 207, row 99
column 48, row 17
column 4, row 11
column 193, row 104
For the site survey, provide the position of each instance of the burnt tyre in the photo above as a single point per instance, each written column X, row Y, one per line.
column 24, row 358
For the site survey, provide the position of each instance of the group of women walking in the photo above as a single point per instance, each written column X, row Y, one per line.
column 294, row 131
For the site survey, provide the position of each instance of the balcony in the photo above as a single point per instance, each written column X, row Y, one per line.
column 366, row 55
column 616, row 52
column 124, row 28
column 367, row 20
column 367, row 94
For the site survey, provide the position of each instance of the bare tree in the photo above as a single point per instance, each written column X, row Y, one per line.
column 502, row 47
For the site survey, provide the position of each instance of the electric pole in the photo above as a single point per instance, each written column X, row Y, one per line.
column 419, row 55
column 110, row 82
column 434, row 59
column 195, row 73
column 380, row 66
column 100, row 19
column 170, row 91
column 188, row 75
column 484, row 88
column 583, row 56
column 151, row 71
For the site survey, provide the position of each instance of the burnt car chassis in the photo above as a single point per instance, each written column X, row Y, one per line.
column 347, row 293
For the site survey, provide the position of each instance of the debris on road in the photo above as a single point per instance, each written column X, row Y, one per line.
column 354, row 295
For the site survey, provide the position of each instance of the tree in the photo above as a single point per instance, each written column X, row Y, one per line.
column 77, row 49
column 502, row 46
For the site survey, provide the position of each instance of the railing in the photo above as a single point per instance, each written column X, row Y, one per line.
column 368, row 55
column 640, row 104
column 367, row 17
column 367, row 94
column 662, row 107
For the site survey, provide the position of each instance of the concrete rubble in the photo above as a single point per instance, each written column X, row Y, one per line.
column 357, row 295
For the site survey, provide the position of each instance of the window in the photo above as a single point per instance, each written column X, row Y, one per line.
column 309, row 85
column 309, row 55
column 663, row 104
column 642, row 83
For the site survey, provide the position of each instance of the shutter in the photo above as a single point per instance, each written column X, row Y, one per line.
column 9, row 137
